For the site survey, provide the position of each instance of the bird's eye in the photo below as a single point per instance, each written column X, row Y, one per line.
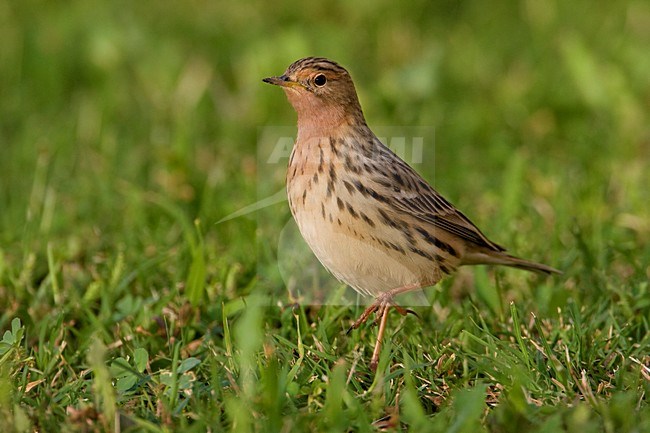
column 320, row 80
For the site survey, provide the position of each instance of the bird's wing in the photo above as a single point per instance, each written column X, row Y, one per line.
column 413, row 195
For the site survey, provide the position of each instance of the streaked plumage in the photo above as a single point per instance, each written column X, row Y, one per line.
column 368, row 216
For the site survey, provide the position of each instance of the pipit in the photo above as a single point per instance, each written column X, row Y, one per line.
column 369, row 218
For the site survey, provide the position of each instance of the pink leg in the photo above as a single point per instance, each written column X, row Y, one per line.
column 380, row 335
column 382, row 305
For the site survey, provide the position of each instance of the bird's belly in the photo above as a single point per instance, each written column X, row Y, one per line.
column 366, row 258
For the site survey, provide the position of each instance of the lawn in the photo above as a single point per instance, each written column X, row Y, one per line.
column 151, row 278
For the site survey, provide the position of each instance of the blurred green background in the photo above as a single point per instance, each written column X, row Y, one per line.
column 123, row 123
column 102, row 98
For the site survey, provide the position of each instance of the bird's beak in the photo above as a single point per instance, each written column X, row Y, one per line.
column 282, row 81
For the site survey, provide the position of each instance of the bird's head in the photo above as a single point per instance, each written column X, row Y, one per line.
column 320, row 90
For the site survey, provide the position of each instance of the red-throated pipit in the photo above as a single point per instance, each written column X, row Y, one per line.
column 371, row 220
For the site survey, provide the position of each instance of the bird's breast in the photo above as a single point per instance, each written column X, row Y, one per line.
column 341, row 217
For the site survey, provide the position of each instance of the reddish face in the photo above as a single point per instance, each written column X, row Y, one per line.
column 319, row 90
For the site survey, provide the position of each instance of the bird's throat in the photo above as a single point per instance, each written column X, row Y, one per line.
column 318, row 118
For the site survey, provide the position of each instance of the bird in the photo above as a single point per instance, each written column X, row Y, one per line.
column 367, row 215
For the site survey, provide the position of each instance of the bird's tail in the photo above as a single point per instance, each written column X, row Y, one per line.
column 501, row 258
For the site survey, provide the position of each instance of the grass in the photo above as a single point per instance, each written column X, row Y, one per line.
column 128, row 131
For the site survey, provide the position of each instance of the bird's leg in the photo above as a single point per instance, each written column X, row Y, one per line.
column 364, row 316
column 382, row 305
column 385, row 298
column 383, row 314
